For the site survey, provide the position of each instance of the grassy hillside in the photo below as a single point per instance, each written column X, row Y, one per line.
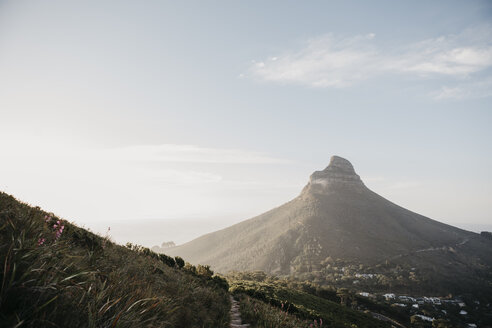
column 55, row 274
column 324, row 307
column 260, row 314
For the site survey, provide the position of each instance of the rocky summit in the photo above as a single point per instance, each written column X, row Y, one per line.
column 337, row 221
column 338, row 174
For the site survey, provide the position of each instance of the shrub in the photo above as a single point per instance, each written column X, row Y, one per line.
column 179, row 262
column 167, row 260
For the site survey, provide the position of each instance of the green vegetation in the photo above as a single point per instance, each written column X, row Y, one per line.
column 417, row 275
column 55, row 274
column 305, row 301
column 262, row 315
column 302, row 299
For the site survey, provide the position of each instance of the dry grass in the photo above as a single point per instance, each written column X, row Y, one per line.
column 84, row 280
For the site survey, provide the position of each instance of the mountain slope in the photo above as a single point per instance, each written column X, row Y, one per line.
column 55, row 274
column 336, row 217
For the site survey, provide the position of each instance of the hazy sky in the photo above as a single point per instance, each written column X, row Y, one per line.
column 143, row 114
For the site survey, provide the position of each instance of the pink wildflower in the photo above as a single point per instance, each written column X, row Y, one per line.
column 58, row 227
column 41, row 241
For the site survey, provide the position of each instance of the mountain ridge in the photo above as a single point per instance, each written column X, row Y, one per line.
column 335, row 217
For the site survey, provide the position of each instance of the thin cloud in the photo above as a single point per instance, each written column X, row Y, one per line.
column 404, row 185
column 93, row 184
column 191, row 154
column 462, row 91
column 175, row 177
column 327, row 61
column 444, row 56
column 139, row 165
column 388, row 184
column 334, row 62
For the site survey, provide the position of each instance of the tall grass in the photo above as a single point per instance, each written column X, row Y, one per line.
column 300, row 304
column 263, row 315
column 78, row 279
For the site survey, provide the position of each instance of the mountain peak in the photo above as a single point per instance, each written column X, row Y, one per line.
column 338, row 163
column 338, row 217
column 339, row 172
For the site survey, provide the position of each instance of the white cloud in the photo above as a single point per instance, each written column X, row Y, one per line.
column 387, row 184
column 478, row 89
column 144, row 164
column 189, row 154
column 331, row 61
column 444, row 56
column 325, row 62
column 449, row 93
column 404, row 185
column 169, row 176
column 147, row 181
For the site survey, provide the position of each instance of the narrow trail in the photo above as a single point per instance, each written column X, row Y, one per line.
column 236, row 315
column 385, row 318
column 430, row 249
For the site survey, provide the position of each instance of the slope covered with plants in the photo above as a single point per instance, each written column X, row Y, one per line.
column 55, row 274
column 316, row 306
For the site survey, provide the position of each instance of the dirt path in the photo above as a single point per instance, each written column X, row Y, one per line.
column 236, row 315
column 430, row 249
column 385, row 318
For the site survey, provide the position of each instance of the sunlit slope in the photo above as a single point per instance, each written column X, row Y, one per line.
column 336, row 216
column 56, row 274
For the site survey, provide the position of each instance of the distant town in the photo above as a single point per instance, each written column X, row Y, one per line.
column 427, row 309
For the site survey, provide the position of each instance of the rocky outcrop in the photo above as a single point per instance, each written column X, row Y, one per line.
column 339, row 173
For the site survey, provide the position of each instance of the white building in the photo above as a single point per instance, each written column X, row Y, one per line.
column 425, row 318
